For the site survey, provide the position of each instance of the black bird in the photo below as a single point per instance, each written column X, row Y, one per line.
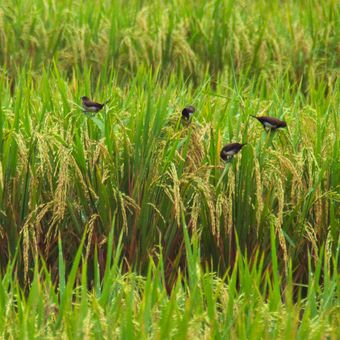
column 229, row 150
column 270, row 123
column 90, row 106
column 187, row 112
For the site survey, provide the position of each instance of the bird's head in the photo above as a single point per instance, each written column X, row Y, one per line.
column 84, row 98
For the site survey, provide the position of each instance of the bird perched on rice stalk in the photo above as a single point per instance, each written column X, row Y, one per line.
column 230, row 150
column 90, row 106
column 270, row 123
column 187, row 113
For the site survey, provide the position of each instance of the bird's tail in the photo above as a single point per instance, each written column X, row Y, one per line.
column 253, row 116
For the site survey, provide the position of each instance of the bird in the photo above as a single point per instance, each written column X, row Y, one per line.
column 229, row 150
column 187, row 112
column 90, row 106
column 270, row 123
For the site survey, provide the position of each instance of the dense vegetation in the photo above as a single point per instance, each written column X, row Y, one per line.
column 127, row 223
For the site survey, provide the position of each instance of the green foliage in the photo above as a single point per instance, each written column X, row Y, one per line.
column 63, row 172
column 127, row 223
column 201, row 305
column 184, row 37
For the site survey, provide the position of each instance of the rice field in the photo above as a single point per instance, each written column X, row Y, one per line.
column 127, row 223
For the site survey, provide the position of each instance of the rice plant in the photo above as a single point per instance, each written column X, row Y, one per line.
column 126, row 222
column 126, row 305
